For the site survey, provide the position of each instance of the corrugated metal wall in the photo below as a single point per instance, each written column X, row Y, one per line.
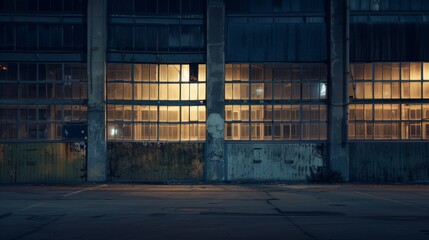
column 389, row 162
column 272, row 161
column 389, row 42
column 259, row 42
column 155, row 162
column 42, row 162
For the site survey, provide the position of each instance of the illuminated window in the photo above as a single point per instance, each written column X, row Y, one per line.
column 166, row 102
column 400, row 118
column 275, row 102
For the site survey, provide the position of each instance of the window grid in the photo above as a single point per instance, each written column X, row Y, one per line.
column 275, row 102
column 395, row 112
column 156, row 102
column 50, row 95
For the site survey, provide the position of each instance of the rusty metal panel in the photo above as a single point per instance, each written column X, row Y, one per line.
column 7, row 165
column 42, row 162
column 155, row 162
column 389, row 162
column 272, row 162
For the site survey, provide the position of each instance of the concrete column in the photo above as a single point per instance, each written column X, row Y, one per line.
column 96, row 41
column 338, row 152
column 215, row 155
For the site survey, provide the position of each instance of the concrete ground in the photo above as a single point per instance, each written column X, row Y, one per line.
column 116, row 211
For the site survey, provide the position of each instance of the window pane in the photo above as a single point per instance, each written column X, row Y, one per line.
column 193, row 91
column 368, row 71
column 173, row 73
column 405, row 71
column 228, row 72
column 184, row 91
column 201, row 72
column 173, row 91
column 415, row 71
column 378, row 71
column 163, row 91
column 426, row 71
column 201, row 91
column 415, row 90
column 173, row 114
column 141, row 72
column 228, row 91
column 153, row 91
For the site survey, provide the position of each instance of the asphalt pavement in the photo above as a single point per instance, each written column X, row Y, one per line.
column 277, row 211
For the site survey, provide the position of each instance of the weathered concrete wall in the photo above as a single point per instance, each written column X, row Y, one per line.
column 97, row 35
column 389, row 162
column 337, row 88
column 155, row 162
column 42, row 163
column 215, row 160
column 272, row 162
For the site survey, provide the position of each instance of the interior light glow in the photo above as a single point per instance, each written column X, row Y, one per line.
column 323, row 90
column 114, row 132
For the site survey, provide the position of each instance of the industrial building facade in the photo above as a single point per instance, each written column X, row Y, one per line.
column 213, row 90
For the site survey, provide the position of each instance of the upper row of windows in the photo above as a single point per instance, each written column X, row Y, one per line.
column 43, row 6
column 31, row 36
column 389, row 5
column 157, row 7
column 264, row 6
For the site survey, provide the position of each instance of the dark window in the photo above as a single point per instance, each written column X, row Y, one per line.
column 163, row 38
column 6, row 5
column 26, row 36
column 140, row 38
column 140, row 6
column 151, row 38
column 74, row 5
column 50, row 72
column 121, row 37
column 44, row 5
column 186, row 6
column 50, row 37
column 56, row 5
column 6, row 36
column 74, row 37
column 192, row 37
column 8, row 71
column 174, row 6
column 120, row 6
column 26, row 5
column 27, row 72
column 50, row 5
column 174, row 37
column 163, row 6
column 150, row 6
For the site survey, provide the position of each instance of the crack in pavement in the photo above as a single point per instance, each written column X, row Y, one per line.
column 270, row 200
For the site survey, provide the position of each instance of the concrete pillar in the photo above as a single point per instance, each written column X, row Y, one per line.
column 215, row 155
column 96, row 41
column 338, row 152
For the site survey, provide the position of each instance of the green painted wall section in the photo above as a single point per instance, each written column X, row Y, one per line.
column 155, row 162
column 389, row 162
column 42, row 163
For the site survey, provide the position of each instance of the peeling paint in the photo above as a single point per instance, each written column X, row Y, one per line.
column 277, row 162
column 154, row 162
column 215, row 124
column 41, row 163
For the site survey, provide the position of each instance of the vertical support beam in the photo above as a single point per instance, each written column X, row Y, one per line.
column 96, row 41
column 215, row 154
column 338, row 87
